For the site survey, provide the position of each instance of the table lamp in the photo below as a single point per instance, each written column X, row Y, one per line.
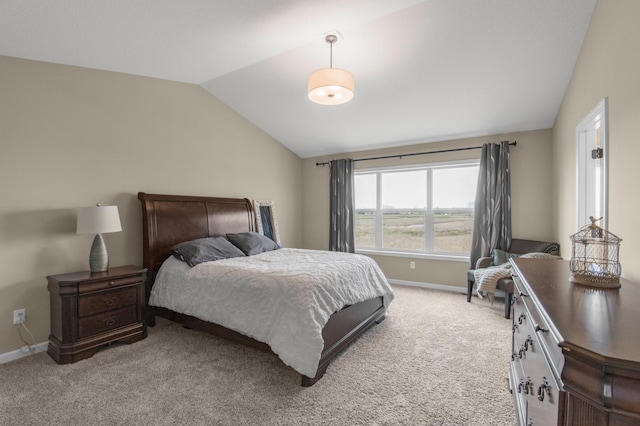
column 98, row 220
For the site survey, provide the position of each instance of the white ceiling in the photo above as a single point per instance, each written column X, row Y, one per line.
column 424, row 70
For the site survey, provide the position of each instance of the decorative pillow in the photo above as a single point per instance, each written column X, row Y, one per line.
column 500, row 257
column 205, row 250
column 252, row 243
column 539, row 255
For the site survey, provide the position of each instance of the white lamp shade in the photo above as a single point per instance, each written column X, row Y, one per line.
column 331, row 86
column 98, row 220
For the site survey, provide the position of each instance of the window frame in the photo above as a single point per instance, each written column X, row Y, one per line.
column 429, row 213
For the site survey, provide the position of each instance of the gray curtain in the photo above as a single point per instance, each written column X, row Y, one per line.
column 341, row 235
column 492, row 216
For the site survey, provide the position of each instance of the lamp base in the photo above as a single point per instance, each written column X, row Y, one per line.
column 98, row 257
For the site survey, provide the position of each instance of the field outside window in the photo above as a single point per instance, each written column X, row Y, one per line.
column 426, row 209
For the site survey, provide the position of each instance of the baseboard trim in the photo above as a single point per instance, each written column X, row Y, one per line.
column 499, row 294
column 451, row 288
column 23, row 352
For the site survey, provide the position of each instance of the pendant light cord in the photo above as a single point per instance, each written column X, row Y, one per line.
column 330, row 54
column 331, row 38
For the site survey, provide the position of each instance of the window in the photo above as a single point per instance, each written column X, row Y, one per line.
column 422, row 209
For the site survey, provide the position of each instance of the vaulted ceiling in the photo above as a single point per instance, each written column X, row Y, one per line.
column 424, row 70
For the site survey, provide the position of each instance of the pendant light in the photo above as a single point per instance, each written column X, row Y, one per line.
column 330, row 86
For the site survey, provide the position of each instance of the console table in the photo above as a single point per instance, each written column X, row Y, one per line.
column 576, row 349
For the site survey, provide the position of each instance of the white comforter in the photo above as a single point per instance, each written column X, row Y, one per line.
column 282, row 297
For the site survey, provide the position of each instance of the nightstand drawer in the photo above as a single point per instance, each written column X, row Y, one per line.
column 107, row 300
column 90, row 326
column 107, row 283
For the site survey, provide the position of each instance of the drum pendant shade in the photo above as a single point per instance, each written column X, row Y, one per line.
column 330, row 86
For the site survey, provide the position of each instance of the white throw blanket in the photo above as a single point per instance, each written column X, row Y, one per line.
column 282, row 297
column 487, row 278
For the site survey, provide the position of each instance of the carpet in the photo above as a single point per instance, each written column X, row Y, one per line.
column 435, row 360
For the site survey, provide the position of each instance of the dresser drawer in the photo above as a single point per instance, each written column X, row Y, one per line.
column 107, row 300
column 107, row 283
column 516, row 383
column 536, row 393
column 545, row 398
column 537, row 326
column 526, row 341
column 100, row 323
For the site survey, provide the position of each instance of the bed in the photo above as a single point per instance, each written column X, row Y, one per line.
column 172, row 219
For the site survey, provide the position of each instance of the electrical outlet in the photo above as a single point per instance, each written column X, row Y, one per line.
column 19, row 316
column 412, row 265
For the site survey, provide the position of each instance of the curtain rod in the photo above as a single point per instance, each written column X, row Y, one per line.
column 514, row 143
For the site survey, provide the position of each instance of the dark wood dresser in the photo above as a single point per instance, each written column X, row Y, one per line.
column 91, row 310
column 576, row 350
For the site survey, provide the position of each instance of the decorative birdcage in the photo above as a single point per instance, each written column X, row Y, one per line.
column 594, row 258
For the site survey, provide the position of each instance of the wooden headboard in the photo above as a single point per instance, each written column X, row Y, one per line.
column 171, row 219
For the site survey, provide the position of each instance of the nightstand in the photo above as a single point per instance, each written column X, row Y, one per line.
column 90, row 310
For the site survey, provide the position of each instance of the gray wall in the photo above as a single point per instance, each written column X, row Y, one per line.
column 72, row 137
column 608, row 66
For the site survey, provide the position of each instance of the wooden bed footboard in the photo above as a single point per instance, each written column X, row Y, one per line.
column 342, row 328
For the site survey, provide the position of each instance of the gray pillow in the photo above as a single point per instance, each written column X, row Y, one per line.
column 252, row 243
column 205, row 250
column 500, row 257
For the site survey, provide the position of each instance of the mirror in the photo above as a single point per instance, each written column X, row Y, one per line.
column 266, row 221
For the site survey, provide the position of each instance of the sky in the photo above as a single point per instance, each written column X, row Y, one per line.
column 452, row 187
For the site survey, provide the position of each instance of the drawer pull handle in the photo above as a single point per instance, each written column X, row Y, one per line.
column 110, row 302
column 528, row 385
column 523, row 294
column 112, row 283
column 515, row 327
column 520, row 386
column 528, row 342
column 544, row 387
column 538, row 328
column 522, row 318
column 110, row 321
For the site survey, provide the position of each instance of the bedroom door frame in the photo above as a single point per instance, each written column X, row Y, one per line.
column 592, row 177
